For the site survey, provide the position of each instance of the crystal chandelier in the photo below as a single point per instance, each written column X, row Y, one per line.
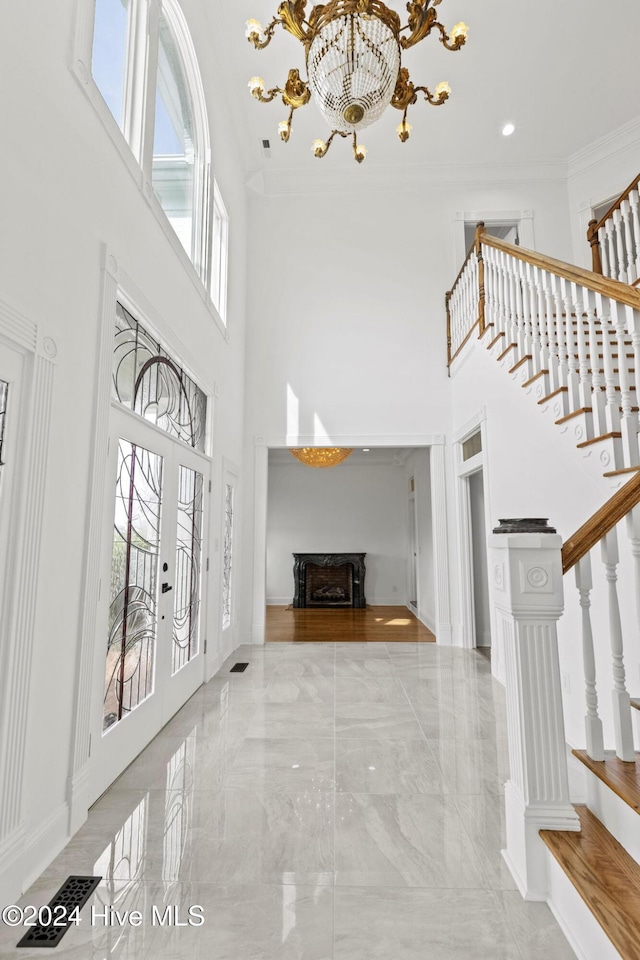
column 353, row 54
column 321, row 456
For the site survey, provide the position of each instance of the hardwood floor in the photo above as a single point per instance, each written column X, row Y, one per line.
column 373, row 625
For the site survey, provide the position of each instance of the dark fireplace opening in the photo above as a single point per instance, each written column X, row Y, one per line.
column 329, row 586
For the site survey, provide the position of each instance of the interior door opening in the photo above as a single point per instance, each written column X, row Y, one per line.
column 479, row 566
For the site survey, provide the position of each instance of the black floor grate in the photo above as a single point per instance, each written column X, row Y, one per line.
column 72, row 895
column 238, row 668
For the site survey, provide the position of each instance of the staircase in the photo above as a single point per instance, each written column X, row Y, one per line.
column 571, row 339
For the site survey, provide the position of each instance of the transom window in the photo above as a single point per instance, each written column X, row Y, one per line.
column 149, row 382
column 144, row 65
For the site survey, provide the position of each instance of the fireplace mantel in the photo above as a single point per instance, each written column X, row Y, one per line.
column 302, row 561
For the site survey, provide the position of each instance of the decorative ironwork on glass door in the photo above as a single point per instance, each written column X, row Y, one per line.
column 134, row 569
column 227, row 556
column 4, row 396
column 186, row 608
column 149, row 382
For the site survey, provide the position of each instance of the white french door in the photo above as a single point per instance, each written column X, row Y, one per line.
column 151, row 610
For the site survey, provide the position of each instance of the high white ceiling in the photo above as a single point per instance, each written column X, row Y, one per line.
column 565, row 72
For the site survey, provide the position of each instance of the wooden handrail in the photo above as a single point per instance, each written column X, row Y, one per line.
column 606, row 286
column 599, row 525
column 594, row 225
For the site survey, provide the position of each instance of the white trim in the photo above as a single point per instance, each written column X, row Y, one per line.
column 116, row 286
column 45, row 843
column 462, row 217
column 37, row 381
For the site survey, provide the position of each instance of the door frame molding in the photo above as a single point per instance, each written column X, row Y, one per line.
column 441, row 550
column 39, row 352
column 116, row 285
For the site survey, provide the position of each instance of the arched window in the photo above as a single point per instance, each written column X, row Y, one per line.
column 180, row 163
column 144, row 66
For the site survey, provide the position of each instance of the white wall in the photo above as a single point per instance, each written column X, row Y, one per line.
column 346, row 322
column 351, row 508
column 66, row 192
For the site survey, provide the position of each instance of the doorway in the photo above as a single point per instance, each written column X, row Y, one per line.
column 479, row 566
column 151, row 609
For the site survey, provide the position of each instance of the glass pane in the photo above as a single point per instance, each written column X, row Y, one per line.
column 147, row 381
column 4, row 396
column 472, row 446
column 108, row 62
column 186, row 604
column 227, row 551
column 134, row 577
column 219, row 255
column 173, row 144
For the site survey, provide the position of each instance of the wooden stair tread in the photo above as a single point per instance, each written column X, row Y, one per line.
column 540, row 373
column 522, row 360
column 495, row 340
column 605, row 436
column 605, row 876
column 555, row 393
column 506, row 350
column 635, row 703
column 621, row 776
column 575, row 413
column 617, row 473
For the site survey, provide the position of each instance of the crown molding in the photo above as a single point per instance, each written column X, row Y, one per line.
column 401, row 178
column 601, row 150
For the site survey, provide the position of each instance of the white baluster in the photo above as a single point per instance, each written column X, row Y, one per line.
column 598, row 398
column 536, row 342
column 592, row 722
column 620, row 252
column 621, row 701
column 629, row 422
column 604, row 251
column 560, row 325
column 582, row 342
column 610, row 230
column 552, row 334
column 542, row 318
column 612, row 408
column 625, row 210
column 634, row 200
column 574, row 333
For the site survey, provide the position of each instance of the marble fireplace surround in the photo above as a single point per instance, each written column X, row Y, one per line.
column 300, row 570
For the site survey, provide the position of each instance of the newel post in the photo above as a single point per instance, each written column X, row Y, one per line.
column 594, row 242
column 527, row 593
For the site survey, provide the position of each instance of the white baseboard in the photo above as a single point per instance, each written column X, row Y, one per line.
column 279, row 601
column 424, row 618
column 45, row 843
column 26, row 853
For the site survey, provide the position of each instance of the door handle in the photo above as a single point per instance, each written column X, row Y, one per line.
column 166, row 587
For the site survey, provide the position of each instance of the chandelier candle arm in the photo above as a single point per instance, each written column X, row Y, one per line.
column 353, row 51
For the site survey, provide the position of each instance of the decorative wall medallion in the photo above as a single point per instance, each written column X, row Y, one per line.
column 537, row 577
column 557, row 410
column 498, row 575
column 539, row 390
column 49, row 348
column 579, row 432
column 605, row 458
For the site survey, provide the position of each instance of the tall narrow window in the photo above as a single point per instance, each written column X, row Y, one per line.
column 174, row 142
column 186, row 609
column 4, row 396
column 227, row 557
column 109, row 55
column 219, row 253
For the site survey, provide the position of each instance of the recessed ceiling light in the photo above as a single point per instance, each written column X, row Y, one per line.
column 508, row 129
column 366, row 449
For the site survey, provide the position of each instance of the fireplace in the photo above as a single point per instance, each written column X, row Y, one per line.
column 329, row 580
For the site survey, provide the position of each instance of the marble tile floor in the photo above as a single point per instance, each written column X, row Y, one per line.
column 334, row 802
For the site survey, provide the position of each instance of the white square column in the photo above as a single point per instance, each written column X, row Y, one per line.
column 527, row 593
